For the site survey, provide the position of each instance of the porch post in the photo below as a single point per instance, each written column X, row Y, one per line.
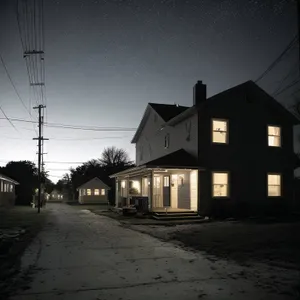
column 150, row 192
column 127, row 189
column 117, row 198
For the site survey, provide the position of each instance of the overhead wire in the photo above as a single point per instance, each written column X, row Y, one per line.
column 286, row 87
column 6, row 117
column 79, row 127
column 291, row 44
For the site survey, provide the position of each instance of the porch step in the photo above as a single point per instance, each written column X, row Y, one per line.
column 176, row 215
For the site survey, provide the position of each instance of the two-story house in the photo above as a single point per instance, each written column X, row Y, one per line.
column 228, row 154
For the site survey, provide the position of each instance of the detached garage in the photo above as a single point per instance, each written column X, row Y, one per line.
column 94, row 191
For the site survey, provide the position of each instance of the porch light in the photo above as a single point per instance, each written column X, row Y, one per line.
column 136, row 185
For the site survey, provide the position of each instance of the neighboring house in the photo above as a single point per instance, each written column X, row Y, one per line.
column 55, row 196
column 7, row 191
column 93, row 191
column 229, row 154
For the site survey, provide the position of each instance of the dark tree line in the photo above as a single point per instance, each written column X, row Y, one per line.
column 112, row 160
column 26, row 174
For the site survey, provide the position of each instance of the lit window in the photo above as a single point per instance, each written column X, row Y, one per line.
column 102, row 192
column 89, row 192
column 220, row 184
column 166, row 181
column 274, row 136
column 11, row 188
column 274, row 185
column 96, row 192
column 167, row 140
column 2, row 188
column 220, row 131
column 123, row 184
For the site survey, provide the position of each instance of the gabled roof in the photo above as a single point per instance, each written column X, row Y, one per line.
column 179, row 158
column 94, row 183
column 250, row 88
column 165, row 111
column 168, row 111
column 6, row 178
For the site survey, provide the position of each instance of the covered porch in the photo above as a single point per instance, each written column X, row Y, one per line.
column 158, row 187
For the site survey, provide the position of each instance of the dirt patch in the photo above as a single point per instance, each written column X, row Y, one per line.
column 18, row 227
column 269, row 253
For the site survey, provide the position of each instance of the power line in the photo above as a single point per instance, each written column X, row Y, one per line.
column 11, row 123
column 72, row 139
column 277, row 60
column 15, row 88
column 286, row 88
column 12, row 83
column 77, row 127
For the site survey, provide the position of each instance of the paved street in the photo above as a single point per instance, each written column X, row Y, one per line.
column 80, row 255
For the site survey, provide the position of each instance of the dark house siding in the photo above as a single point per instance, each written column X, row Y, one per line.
column 247, row 157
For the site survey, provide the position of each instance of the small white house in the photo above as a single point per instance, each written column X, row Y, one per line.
column 56, row 196
column 94, row 191
column 7, row 191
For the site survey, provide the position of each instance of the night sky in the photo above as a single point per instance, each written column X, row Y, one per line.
column 105, row 60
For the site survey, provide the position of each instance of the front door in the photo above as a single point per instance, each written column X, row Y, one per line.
column 166, row 191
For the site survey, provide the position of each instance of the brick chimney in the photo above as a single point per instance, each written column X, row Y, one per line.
column 199, row 93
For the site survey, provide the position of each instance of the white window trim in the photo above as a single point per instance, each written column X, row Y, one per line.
column 280, row 135
column 212, row 184
column 280, row 185
column 226, row 132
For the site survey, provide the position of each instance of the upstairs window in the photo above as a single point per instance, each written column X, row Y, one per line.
column 274, row 185
column 274, row 136
column 102, row 192
column 167, row 140
column 96, row 192
column 89, row 192
column 220, row 131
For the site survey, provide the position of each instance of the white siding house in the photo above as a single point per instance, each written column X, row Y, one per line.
column 166, row 176
column 94, row 191
column 56, row 196
column 7, row 191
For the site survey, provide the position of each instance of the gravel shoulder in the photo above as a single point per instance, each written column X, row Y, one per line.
column 18, row 227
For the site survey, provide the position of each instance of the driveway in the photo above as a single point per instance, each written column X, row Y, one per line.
column 80, row 255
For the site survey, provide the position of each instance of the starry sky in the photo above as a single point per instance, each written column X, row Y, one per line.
column 106, row 59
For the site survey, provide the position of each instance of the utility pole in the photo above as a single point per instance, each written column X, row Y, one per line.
column 40, row 139
column 298, row 14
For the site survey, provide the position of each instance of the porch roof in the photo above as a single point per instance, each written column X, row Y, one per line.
column 6, row 178
column 179, row 159
column 131, row 171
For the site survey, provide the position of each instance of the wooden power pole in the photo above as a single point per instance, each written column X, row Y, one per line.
column 40, row 139
column 298, row 15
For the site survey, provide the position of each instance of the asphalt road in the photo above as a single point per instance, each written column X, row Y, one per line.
column 80, row 255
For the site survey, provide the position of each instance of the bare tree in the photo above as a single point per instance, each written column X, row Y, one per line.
column 112, row 157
